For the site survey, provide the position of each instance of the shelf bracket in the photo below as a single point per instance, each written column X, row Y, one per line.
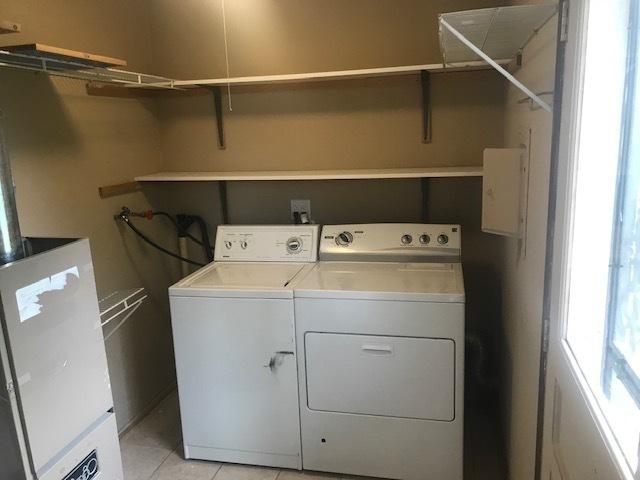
column 217, row 99
column 495, row 65
column 425, row 83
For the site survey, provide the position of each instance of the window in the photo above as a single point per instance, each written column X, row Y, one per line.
column 621, row 366
column 603, row 327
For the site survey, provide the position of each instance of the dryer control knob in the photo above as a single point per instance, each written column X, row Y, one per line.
column 244, row 245
column 227, row 244
column 443, row 239
column 344, row 239
column 425, row 239
column 406, row 239
column 294, row 245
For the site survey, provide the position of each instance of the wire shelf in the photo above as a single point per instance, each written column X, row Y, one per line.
column 71, row 64
column 492, row 33
column 500, row 32
column 121, row 304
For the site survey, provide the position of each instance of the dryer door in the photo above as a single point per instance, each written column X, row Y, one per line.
column 375, row 375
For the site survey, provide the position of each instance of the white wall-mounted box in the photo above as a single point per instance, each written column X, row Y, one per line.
column 502, row 191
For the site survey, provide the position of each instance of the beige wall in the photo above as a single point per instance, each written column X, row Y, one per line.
column 522, row 261
column 292, row 36
column 343, row 124
column 363, row 123
column 350, row 124
column 64, row 144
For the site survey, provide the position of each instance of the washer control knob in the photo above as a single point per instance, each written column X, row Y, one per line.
column 344, row 239
column 294, row 245
column 425, row 239
column 244, row 245
column 443, row 239
column 227, row 244
column 406, row 239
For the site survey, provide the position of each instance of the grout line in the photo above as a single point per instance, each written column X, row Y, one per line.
column 217, row 471
column 148, row 410
column 161, row 463
column 220, row 465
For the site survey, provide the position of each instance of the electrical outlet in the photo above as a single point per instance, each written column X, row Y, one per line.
column 300, row 206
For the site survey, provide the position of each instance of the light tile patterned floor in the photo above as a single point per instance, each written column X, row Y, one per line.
column 152, row 450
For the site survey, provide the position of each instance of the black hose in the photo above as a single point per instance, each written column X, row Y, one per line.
column 154, row 244
column 205, row 244
column 165, row 214
column 204, row 233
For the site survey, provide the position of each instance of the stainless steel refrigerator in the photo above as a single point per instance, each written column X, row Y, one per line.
column 56, row 407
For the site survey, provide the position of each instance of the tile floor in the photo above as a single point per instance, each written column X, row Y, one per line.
column 152, row 450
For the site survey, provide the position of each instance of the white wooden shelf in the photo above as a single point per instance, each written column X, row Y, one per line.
column 358, row 174
column 88, row 66
column 330, row 75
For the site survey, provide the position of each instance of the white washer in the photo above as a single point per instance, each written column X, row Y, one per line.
column 380, row 338
column 234, row 340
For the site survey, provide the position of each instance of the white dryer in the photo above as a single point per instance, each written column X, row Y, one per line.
column 233, row 328
column 380, row 338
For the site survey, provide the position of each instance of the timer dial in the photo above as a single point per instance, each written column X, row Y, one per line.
column 294, row 245
column 443, row 239
column 344, row 239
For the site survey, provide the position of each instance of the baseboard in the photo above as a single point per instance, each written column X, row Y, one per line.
column 147, row 410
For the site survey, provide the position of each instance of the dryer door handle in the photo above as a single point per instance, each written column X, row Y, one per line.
column 377, row 349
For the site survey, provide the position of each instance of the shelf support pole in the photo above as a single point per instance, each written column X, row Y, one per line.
column 424, row 190
column 224, row 201
column 425, row 83
column 217, row 99
column 495, row 65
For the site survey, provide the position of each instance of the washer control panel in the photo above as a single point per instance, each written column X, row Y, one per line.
column 267, row 243
column 391, row 242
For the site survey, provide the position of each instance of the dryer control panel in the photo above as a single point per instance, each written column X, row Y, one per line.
column 390, row 242
column 267, row 243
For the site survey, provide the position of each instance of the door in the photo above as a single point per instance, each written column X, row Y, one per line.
column 591, row 416
column 237, row 379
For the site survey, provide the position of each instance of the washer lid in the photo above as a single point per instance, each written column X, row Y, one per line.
column 423, row 282
column 240, row 279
